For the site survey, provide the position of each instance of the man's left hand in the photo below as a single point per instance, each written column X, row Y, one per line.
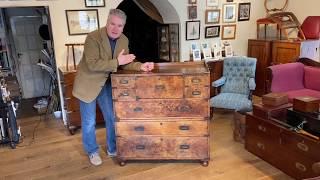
column 147, row 66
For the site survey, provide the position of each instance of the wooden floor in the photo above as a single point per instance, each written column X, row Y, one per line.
column 51, row 153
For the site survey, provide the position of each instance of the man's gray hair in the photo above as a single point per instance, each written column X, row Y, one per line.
column 119, row 13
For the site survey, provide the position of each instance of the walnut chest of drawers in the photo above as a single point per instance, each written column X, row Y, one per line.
column 163, row 114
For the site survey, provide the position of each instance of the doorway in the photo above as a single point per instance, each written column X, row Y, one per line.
column 28, row 41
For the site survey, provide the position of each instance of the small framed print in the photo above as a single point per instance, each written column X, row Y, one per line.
column 192, row 30
column 212, row 31
column 212, row 16
column 228, row 32
column 196, row 54
column 228, row 51
column 95, row 3
column 194, row 46
column 192, row 1
column 212, row 3
column 217, row 53
column 244, row 11
column 229, row 13
column 192, row 12
column 204, row 45
column 82, row 21
column 207, row 53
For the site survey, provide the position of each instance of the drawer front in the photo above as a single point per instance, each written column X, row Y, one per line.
column 74, row 118
column 124, row 94
column 262, row 127
column 169, row 128
column 159, row 87
column 162, row 108
column 68, row 78
column 72, row 104
column 123, row 81
column 197, row 92
column 298, row 166
column 142, row 147
column 300, row 144
column 197, row 80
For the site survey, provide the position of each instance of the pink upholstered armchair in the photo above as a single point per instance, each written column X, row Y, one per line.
column 295, row 79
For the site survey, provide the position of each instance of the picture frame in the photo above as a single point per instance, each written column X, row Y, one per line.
column 217, row 52
column 95, row 3
column 212, row 31
column 212, row 3
column 244, row 11
column 196, row 55
column 229, row 0
column 229, row 13
column 192, row 12
column 82, row 21
column 192, row 1
column 192, row 30
column 194, row 46
column 207, row 53
column 212, row 16
column 228, row 51
column 228, row 32
column 205, row 45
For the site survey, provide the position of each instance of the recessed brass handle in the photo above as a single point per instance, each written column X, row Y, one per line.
column 140, row 147
column 139, row 128
column 300, row 167
column 124, row 94
column 184, row 146
column 196, row 93
column 184, row 127
column 124, row 81
column 195, row 80
column 260, row 145
column 262, row 128
column 159, row 87
column 303, row 147
column 137, row 109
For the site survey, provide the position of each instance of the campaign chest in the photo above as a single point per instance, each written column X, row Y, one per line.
column 163, row 114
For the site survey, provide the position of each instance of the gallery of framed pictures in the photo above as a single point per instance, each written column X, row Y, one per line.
column 212, row 31
column 82, row 21
column 192, row 30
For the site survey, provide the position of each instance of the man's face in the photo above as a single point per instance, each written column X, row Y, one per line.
column 114, row 27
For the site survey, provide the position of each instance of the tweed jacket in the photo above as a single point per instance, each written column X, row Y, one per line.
column 97, row 64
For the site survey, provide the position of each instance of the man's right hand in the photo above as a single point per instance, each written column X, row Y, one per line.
column 125, row 58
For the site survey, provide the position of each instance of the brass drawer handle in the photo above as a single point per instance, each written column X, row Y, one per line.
column 124, row 81
column 184, row 108
column 139, row 128
column 195, row 80
column 67, row 98
column 184, row 127
column 137, row 109
column 159, row 87
column 140, row 147
column 196, row 93
column 124, row 94
column 262, row 128
column 303, row 147
column 260, row 145
column 301, row 167
column 316, row 167
column 184, row 146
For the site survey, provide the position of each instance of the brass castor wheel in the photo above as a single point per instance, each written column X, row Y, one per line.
column 122, row 163
column 72, row 129
column 204, row 163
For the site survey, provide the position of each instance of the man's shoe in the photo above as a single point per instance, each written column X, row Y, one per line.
column 95, row 159
column 113, row 154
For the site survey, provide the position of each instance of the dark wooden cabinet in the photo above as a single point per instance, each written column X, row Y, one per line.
column 163, row 114
column 271, row 52
column 295, row 154
column 215, row 68
column 71, row 104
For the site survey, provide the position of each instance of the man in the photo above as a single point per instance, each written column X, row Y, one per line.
column 105, row 49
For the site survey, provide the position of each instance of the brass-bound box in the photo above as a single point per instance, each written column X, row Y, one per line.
column 266, row 112
column 274, row 99
column 306, row 104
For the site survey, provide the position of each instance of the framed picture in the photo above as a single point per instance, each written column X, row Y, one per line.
column 207, row 53
column 212, row 3
column 192, row 30
column 194, row 46
column 82, row 21
column 204, row 45
column 229, row 0
column 228, row 32
column 212, row 16
column 192, row 1
column 228, row 51
column 244, row 11
column 212, row 31
column 217, row 53
column 192, row 12
column 229, row 13
column 196, row 54
column 94, row 3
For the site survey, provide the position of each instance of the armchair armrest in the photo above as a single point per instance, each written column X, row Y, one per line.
column 252, row 84
column 219, row 82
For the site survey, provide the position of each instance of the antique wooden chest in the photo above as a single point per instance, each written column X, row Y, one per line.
column 163, row 114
